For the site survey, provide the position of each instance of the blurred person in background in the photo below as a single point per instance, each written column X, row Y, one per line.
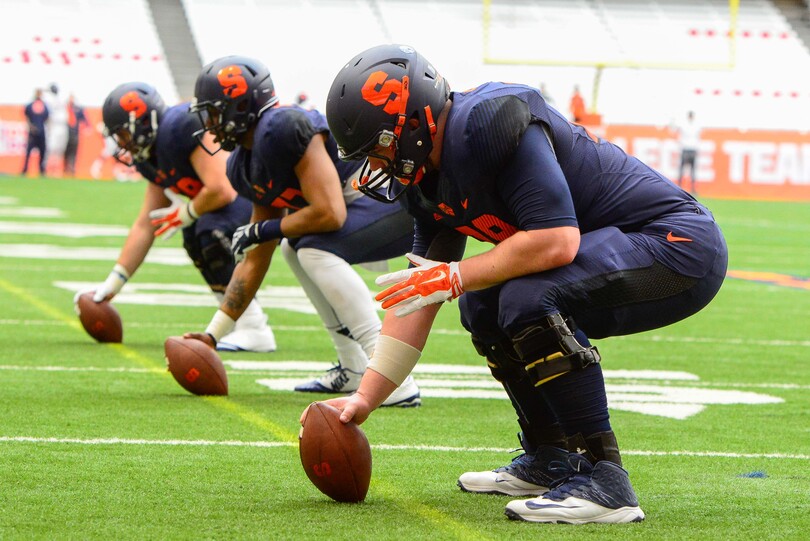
column 546, row 95
column 57, row 132
column 285, row 160
column 159, row 141
column 36, row 116
column 689, row 141
column 577, row 106
column 76, row 120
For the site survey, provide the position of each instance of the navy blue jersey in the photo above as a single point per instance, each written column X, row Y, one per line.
column 36, row 113
column 170, row 163
column 511, row 163
column 265, row 174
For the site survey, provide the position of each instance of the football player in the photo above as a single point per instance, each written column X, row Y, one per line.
column 159, row 141
column 588, row 243
column 285, row 161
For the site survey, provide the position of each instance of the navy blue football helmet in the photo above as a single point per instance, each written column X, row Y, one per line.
column 132, row 113
column 230, row 95
column 386, row 96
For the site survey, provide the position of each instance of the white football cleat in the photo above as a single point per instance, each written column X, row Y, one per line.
column 592, row 494
column 256, row 340
column 529, row 474
column 250, row 333
column 406, row 395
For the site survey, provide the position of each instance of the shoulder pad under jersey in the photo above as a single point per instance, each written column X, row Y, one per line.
column 494, row 128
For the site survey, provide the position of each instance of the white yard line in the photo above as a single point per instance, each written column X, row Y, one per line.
column 379, row 447
column 309, row 367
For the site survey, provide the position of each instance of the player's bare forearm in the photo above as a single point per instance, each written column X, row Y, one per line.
column 138, row 243
column 412, row 329
column 525, row 252
column 246, row 280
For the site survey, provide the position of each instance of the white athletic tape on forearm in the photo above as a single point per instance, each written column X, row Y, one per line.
column 221, row 324
column 394, row 359
column 116, row 279
column 190, row 211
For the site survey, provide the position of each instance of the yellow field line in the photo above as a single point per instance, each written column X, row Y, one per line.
column 449, row 525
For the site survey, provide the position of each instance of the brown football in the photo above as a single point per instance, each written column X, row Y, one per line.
column 99, row 319
column 335, row 456
column 196, row 367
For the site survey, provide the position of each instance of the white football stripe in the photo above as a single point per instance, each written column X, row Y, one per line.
column 456, row 369
column 376, row 446
column 162, row 256
column 31, row 212
column 74, row 231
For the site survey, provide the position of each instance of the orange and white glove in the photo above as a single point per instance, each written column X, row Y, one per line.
column 430, row 282
column 174, row 217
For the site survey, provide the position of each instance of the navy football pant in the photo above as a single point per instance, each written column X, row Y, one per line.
column 619, row 283
column 208, row 242
column 373, row 231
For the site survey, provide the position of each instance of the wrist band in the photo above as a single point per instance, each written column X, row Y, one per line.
column 191, row 211
column 121, row 271
column 221, row 324
column 394, row 359
column 269, row 230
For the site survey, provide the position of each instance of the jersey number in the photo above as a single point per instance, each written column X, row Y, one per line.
column 290, row 199
column 189, row 186
column 488, row 228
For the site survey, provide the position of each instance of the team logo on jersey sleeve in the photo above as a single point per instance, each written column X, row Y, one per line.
column 233, row 84
column 131, row 102
column 380, row 90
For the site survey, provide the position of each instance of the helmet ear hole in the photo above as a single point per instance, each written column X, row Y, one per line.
column 413, row 122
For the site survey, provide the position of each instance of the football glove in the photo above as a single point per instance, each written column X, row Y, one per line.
column 246, row 237
column 430, row 282
column 176, row 216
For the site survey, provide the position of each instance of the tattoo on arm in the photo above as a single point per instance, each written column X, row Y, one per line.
column 236, row 297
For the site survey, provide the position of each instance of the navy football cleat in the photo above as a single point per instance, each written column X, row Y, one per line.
column 590, row 494
column 529, row 474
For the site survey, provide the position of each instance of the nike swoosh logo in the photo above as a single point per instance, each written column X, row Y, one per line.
column 464, row 203
column 438, row 278
column 673, row 238
column 531, row 504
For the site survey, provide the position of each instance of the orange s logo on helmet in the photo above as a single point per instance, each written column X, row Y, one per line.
column 379, row 90
column 132, row 102
column 233, row 84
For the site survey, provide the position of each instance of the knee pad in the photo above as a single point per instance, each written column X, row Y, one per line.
column 211, row 254
column 549, row 349
column 537, row 425
column 502, row 359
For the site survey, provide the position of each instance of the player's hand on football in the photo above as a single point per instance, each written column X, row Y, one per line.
column 110, row 288
column 202, row 337
column 245, row 238
column 352, row 408
column 176, row 216
column 429, row 282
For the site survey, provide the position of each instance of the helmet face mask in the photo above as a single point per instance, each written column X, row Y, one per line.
column 387, row 96
column 381, row 183
column 132, row 113
column 211, row 117
column 230, row 95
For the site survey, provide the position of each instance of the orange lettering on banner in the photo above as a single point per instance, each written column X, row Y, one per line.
column 731, row 164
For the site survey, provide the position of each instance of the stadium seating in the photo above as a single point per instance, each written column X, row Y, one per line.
column 86, row 46
column 556, row 42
